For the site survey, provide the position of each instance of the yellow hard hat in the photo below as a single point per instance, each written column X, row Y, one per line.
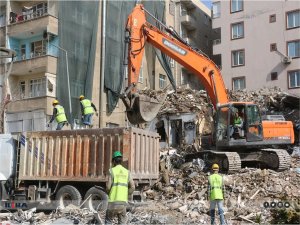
column 55, row 102
column 81, row 96
column 215, row 166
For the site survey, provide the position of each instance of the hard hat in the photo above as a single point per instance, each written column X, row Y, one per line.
column 117, row 154
column 55, row 102
column 81, row 96
column 215, row 166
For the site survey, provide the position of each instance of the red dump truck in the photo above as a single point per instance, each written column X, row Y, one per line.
column 72, row 165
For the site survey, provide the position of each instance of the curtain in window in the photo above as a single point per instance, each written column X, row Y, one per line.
column 236, row 5
column 294, row 49
column 293, row 19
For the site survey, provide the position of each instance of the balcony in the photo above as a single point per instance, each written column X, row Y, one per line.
column 188, row 4
column 25, row 105
column 188, row 21
column 32, row 24
column 38, row 63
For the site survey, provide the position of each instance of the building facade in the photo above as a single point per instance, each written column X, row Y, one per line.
column 31, row 28
column 192, row 21
column 259, row 43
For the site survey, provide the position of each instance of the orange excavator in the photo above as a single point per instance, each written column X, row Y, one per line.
column 234, row 144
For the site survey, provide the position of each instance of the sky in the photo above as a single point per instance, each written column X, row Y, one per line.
column 207, row 3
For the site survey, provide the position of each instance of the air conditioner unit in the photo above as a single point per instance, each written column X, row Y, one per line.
column 286, row 60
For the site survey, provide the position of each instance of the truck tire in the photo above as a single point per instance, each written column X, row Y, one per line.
column 68, row 195
column 97, row 200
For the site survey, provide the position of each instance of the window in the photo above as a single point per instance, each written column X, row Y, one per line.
column 293, row 49
column 141, row 76
column 162, row 81
column 22, row 89
column 183, row 11
column 2, row 20
column 238, row 58
column 237, row 5
column 206, row 40
column 206, row 19
column 238, row 83
column 237, row 30
column 272, row 18
column 216, row 9
column 294, row 79
column 274, row 76
column 172, row 63
column 293, row 19
column 37, row 87
column 38, row 48
column 273, row 47
column 23, row 52
column 172, row 8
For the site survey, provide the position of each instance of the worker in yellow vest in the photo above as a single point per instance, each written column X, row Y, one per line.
column 119, row 186
column 216, row 194
column 87, row 110
column 59, row 115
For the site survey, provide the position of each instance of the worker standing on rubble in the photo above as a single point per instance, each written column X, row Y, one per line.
column 216, row 194
column 59, row 115
column 119, row 186
column 87, row 110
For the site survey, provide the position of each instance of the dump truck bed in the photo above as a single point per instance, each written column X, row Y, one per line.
column 85, row 155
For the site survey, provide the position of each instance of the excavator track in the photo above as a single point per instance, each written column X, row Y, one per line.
column 233, row 161
column 229, row 162
column 276, row 159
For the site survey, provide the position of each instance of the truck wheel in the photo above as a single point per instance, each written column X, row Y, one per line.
column 97, row 200
column 68, row 195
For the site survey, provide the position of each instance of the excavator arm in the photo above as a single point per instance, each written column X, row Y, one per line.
column 140, row 32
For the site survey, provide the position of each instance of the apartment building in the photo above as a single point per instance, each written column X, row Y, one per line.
column 31, row 29
column 259, row 43
column 192, row 21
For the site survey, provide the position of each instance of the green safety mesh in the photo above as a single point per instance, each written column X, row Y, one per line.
column 116, row 17
column 77, row 27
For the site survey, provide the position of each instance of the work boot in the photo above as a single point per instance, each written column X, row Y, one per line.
column 212, row 216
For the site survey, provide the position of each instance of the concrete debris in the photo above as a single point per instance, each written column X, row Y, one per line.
column 69, row 215
column 271, row 101
column 246, row 191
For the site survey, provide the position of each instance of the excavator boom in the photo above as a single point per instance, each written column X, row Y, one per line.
column 140, row 108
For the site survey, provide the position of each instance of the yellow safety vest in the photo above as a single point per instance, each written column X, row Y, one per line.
column 216, row 185
column 87, row 106
column 60, row 114
column 119, row 189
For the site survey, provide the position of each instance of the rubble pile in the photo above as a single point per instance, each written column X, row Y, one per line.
column 70, row 215
column 183, row 188
column 270, row 101
column 185, row 100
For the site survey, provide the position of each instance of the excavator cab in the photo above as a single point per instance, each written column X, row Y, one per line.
column 238, row 124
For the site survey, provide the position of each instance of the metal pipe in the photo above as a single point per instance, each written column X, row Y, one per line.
column 68, row 81
column 102, row 64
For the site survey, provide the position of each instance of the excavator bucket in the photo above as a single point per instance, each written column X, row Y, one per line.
column 144, row 108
